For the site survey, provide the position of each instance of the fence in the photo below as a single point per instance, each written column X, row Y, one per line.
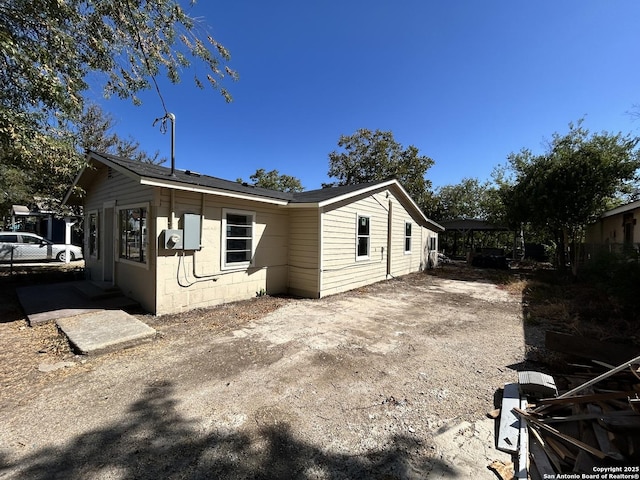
column 30, row 258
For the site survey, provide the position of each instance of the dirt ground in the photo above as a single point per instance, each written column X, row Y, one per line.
column 391, row 381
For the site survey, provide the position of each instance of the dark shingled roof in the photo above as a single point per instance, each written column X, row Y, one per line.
column 323, row 194
column 149, row 170
column 159, row 172
column 185, row 177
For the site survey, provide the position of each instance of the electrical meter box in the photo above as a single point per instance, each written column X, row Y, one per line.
column 173, row 239
column 191, row 227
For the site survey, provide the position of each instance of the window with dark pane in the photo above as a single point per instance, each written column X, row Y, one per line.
column 93, row 234
column 239, row 238
column 407, row 237
column 132, row 227
column 363, row 236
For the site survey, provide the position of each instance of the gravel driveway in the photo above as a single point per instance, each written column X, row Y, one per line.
column 391, row 381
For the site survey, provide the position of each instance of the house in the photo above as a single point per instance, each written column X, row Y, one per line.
column 176, row 240
column 617, row 229
column 37, row 218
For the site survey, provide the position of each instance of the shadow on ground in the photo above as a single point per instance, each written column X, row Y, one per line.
column 155, row 441
column 17, row 276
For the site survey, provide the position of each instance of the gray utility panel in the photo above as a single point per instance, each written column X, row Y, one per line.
column 191, row 228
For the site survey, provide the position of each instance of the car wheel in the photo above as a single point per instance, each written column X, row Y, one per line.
column 61, row 257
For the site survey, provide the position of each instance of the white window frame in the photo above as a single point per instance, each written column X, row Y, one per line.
column 408, row 237
column 144, row 240
column 96, row 254
column 433, row 243
column 224, row 265
column 359, row 236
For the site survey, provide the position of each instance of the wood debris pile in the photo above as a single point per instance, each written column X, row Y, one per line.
column 593, row 422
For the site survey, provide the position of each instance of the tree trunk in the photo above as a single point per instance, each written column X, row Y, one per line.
column 521, row 241
column 561, row 251
column 575, row 253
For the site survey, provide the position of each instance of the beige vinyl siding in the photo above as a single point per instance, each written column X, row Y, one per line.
column 610, row 230
column 114, row 186
column 405, row 262
column 304, row 252
column 428, row 258
column 194, row 279
column 111, row 187
column 341, row 270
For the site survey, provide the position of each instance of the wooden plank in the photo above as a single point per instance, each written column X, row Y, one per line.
column 561, row 450
column 589, row 348
column 584, row 463
column 594, row 397
column 620, row 424
column 591, row 416
column 602, row 436
column 501, row 469
column 509, row 422
column 541, row 459
column 547, row 449
column 523, row 447
column 593, row 381
column 566, row 438
column 495, row 413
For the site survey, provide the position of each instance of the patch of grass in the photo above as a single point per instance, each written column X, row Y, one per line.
column 513, row 284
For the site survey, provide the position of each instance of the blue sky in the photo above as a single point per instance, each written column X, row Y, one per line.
column 466, row 82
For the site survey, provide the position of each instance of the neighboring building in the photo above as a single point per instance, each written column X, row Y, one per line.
column 617, row 229
column 36, row 219
column 183, row 241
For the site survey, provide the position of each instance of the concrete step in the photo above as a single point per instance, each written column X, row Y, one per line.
column 104, row 331
column 45, row 303
column 97, row 290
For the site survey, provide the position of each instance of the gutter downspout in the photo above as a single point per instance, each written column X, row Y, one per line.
column 389, row 234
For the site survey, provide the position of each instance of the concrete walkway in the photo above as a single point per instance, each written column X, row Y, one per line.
column 89, row 314
column 104, row 331
column 48, row 302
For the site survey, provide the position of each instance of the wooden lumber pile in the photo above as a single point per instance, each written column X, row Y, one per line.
column 594, row 423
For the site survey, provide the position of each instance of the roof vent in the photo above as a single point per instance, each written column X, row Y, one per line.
column 193, row 174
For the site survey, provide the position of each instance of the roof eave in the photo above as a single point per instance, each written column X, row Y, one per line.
column 621, row 209
column 67, row 196
column 176, row 185
column 427, row 221
column 355, row 193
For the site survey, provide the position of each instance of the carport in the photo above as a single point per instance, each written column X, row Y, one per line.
column 466, row 232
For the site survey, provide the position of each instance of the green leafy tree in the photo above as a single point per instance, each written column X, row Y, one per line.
column 370, row 156
column 48, row 50
column 468, row 199
column 50, row 47
column 561, row 191
column 273, row 180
